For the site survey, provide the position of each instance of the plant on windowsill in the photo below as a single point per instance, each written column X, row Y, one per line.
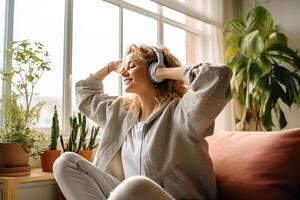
column 87, row 147
column 29, row 62
column 48, row 156
column 265, row 70
column 80, row 146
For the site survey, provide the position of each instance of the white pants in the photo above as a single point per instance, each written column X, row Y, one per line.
column 80, row 179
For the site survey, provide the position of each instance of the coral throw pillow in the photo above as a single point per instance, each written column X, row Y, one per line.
column 257, row 165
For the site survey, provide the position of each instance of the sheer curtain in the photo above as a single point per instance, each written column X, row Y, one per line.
column 209, row 18
column 212, row 45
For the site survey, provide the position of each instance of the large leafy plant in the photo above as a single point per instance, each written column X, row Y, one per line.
column 266, row 69
column 29, row 62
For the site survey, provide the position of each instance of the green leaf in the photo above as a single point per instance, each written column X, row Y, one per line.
column 233, row 31
column 240, row 76
column 264, row 62
column 277, row 90
column 241, row 97
column 277, row 110
column 277, row 37
column 280, row 116
column 282, row 120
column 291, row 81
column 265, row 113
column 292, row 89
column 235, row 24
column 238, row 63
column 266, row 120
column 259, row 18
column 254, row 74
column 30, row 78
column 281, row 74
column 251, row 45
column 279, row 48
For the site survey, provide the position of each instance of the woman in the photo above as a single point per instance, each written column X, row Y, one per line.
column 153, row 144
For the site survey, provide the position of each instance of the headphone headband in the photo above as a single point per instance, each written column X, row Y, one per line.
column 159, row 55
column 155, row 65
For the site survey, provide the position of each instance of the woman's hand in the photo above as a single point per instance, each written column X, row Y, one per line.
column 110, row 67
column 114, row 66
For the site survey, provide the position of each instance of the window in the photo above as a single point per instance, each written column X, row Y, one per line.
column 34, row 20
column 174, row 39
column 101, row 32
column 139, row 29
column 95, row 41
column 172, row 14
column 148, row 5
column 2, row 24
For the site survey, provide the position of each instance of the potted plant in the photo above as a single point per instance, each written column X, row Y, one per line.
column 72, row 145
column 29, row 62
column 265, row 70
column 48, row 156
column 80, row 146
column 87, row 147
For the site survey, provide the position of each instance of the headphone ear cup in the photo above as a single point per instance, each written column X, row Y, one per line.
column 150, row 71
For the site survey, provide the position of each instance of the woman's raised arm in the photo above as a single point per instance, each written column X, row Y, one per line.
column 110, row 67
column 174, row 73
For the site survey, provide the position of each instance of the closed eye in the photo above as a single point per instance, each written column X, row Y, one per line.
column 131, row 66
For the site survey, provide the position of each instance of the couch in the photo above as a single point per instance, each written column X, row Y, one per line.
column 256, row 165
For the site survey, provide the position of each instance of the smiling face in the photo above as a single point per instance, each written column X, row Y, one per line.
column 135, row 75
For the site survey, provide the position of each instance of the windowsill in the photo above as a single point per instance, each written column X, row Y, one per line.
column 36, row 175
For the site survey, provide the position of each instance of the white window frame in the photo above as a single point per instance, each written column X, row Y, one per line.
column 68, row 35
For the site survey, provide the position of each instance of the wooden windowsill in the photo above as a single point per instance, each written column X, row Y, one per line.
column 10, row 184
column 36, row 175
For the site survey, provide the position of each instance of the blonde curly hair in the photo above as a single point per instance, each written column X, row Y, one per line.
column 165, row 91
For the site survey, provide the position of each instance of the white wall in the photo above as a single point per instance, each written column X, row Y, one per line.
column 286, row 15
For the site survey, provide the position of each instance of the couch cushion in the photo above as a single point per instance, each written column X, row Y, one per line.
column 257, row 165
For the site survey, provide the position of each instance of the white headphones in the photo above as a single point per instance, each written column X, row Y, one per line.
column 155, row 65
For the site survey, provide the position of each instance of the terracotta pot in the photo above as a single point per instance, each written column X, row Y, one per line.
column 87, row 154
column 12, row 154
column 48, row 158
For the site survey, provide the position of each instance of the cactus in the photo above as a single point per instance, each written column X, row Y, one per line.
column 72, row 142
column 78, row 123
column 93, row 137
column 54, row 131
column 62, row 143
column 83, row 133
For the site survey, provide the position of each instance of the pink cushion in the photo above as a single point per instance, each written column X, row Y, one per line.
column 257, row 165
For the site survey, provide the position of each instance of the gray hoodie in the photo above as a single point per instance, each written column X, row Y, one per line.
column 176, row 154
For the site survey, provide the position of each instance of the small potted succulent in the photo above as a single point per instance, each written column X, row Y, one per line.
column 48, row 156
column 80, row 146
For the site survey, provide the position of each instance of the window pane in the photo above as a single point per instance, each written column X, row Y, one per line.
column 146, row 4
column 35, row 20
column 193, row 55
column 174, row 39
column 95, row 41
column 2, row 18
column 202, row 43
column 139, row 29
column 172, row 14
